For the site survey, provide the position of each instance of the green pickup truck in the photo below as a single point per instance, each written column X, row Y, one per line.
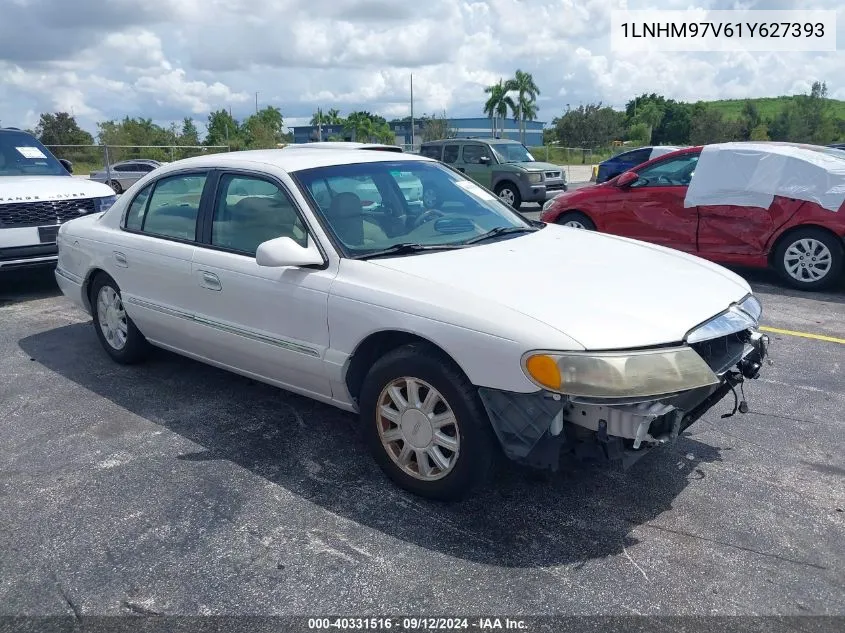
column 503, row 166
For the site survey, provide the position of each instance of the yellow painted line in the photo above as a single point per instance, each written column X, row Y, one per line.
column 818, row 337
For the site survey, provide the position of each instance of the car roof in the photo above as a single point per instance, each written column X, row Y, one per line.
column 147, row 161
column 479, row 139
column 293, row 161
column 344, row 145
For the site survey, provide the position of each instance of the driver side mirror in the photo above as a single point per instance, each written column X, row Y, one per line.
column 283, row 251
column 484, row 160
column 67, row 165
column 627, row 179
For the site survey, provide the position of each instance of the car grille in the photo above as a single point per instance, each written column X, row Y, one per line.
column 43, row 213
column 554, row 186
column 724, row 352
column 553, row 175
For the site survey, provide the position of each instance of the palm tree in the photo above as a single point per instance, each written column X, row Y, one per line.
column 497, row 105
column 360, row 125
column 527, row 91
column 334, row 117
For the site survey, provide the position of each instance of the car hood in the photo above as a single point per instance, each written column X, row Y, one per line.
column 539, row 166
column 47, row 188
column 603, row 291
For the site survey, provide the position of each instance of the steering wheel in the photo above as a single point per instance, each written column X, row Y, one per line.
column 427, row 216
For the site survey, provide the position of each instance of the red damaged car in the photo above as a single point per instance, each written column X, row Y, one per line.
column 779, row 205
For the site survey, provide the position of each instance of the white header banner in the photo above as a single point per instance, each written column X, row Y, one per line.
column 702, row 30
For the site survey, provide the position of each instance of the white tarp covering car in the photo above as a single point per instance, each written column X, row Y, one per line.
column 752, row 174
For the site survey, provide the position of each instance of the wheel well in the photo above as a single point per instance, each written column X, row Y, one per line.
column 563, row 213
column 783, row 236
column 377, row 345
column 506, row 181
column 89, row 281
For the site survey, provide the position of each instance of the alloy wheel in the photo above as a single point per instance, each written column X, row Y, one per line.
column 418, row 429
column 807, row 260
column 112, row 317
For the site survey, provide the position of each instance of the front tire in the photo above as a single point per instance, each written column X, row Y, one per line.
column 116, row 187
column 576, row 220
column 116, row 331
column 509, row 194
column 425, row 425
column 809, row 259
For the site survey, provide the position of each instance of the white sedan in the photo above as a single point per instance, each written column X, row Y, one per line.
column 458, row 333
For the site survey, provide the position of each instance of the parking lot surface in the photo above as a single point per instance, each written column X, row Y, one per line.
column 175, row 488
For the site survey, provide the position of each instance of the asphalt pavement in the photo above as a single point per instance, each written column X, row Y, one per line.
column 175, row 488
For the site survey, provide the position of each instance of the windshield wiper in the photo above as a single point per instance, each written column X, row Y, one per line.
column 501, row 230
column 407, row 247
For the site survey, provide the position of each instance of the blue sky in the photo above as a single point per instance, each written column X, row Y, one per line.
column 167, row 59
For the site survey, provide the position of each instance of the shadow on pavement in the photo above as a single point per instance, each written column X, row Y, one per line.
column 27, row 284
column 316, row 452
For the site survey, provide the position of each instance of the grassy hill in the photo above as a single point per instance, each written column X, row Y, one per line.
column 769, row 106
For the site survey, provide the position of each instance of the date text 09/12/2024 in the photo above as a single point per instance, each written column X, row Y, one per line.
column 414, row 624
column 720, row 29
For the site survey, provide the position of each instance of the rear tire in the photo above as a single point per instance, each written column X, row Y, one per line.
column 809, row 259
column 509, row 194
column 116, row 331
column 425, row 425
column 576, row 220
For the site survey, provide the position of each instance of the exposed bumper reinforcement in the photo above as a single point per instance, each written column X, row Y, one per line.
column 536, row 428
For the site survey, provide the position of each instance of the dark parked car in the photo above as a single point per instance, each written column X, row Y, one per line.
column 620, row 163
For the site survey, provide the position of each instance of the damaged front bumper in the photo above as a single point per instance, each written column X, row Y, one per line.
column 537, row 428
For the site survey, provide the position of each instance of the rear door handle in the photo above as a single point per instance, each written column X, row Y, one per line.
column 210, row 281
column 121, row 260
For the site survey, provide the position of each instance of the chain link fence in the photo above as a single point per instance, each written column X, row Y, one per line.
column 90, row 158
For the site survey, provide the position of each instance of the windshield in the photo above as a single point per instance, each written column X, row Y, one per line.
column 370, row 207
column 512, row 153
column 22, row 155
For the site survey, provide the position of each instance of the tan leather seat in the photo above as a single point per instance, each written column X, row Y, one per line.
column 347, row 218
column 254, row 220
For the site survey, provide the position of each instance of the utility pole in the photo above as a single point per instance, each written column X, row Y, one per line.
column 256, row 102
column 319, row 124
column 412, row 112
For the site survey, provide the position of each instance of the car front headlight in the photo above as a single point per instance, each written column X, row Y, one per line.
column 752, row 306
column 548, row 204
column 535, row 178
column 104, row 204
column 742, row 316
column 632, row 374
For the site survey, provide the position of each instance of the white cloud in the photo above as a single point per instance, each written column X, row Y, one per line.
column 166, row 59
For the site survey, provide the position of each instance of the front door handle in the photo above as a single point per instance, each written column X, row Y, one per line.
column 210, row 281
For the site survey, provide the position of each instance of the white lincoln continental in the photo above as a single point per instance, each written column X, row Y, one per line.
column 459, row 332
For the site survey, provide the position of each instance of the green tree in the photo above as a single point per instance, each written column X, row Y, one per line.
column 497, row 105
column 592, row 125
column 189, row 135
column 61, row 129
column 135, row 138
column 436, row 127
column 223, row 129
column 639, row 134
column 526, row 98
column 759, row 133
column 649, row 115
column 709, row 126
column 749, row 120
